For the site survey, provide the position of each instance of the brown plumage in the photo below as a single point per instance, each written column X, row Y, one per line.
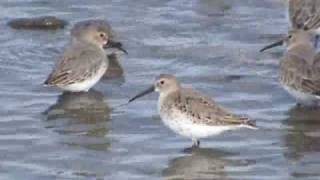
column 304, row 14
column 201, row 109
column 300, row 67
column 191, row 113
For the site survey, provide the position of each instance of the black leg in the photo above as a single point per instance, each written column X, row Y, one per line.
column 195, row 146
column 196, row 143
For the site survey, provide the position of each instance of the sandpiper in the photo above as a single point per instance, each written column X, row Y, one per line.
column 84, row 62
column 300, row 67
column 190, row 113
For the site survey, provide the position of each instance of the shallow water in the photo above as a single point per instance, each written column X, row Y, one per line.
column 211, row 44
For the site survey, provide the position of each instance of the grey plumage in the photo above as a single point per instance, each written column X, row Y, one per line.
column 98, row 25
column 85, row 60
column 78, row 63
column 299, row 67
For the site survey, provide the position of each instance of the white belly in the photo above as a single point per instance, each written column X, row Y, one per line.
column 86, row 84
column 303, row 98
column 184, row 127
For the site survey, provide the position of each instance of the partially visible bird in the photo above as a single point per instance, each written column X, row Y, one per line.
column 300, row 67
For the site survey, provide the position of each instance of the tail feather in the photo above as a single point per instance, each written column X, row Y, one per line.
column 251, row 124
column 47, row 82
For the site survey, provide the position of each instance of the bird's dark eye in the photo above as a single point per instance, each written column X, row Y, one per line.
column 162, row 82
column 290, row 36
column 102, row 35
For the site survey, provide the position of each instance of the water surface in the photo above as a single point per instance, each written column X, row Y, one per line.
column 211, row 44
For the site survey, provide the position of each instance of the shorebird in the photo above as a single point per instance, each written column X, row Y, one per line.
column 190, row 113
column 84, row 61
column 300, row 67
column 305, row 14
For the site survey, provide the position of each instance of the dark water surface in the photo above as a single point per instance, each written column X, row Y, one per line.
column 211, row 44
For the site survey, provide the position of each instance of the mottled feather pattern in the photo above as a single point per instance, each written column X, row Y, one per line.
column 297, row 73
column 304, row 14
column 201, row 109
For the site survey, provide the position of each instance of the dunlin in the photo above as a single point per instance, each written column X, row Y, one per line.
column 300, row 67
column 84, row 62
column 190, row 113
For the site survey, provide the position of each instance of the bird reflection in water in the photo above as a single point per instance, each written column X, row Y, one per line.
column 302, row 141
column 84, row 114
column 115, row 69
column 202, row 163
column 213, row 8
column 303, row 135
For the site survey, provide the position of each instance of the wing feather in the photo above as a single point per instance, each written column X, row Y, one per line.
column 304, row 14
column 300, row 74
column 75, row 65
column 203, row 109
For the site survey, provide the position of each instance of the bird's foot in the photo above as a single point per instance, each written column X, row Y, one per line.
column 195, row 146
column 196, row 143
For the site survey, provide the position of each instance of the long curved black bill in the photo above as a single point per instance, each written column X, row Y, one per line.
column 278, row 43
column 143, row 93
column 116, row 45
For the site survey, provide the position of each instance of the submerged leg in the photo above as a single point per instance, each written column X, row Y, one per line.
column 195, row 143
column 195, row 146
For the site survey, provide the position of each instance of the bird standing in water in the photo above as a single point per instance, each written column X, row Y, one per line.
column 300, row 67
column 85, row 61
column 190, row 113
